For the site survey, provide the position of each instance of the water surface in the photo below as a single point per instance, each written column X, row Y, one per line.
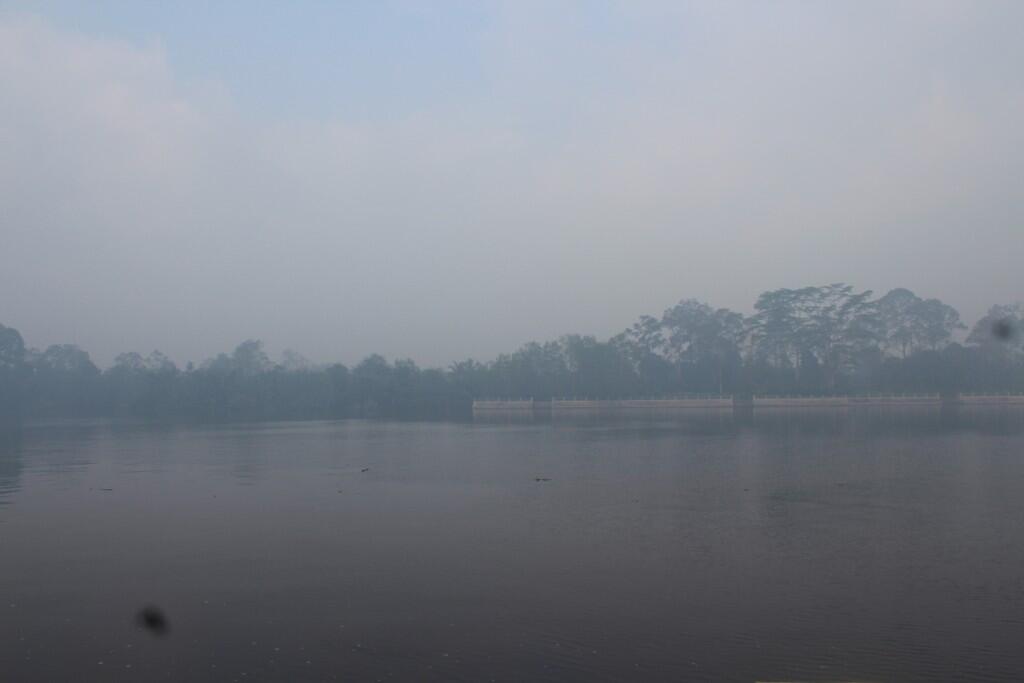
column 807, row 546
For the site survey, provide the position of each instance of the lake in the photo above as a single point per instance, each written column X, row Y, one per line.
column 812, row 546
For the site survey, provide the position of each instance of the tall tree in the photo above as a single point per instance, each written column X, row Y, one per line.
column 65, row 381
column 643, row 344
column 910, row 323
column 249, row 358
column 901, row 326
column 830, row 324
column 774, row 327
column 12, row 371
column 12, row 349
column 939, row 321
column 699, row 335
column 597, row 369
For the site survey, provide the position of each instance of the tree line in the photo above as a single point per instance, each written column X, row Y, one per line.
column 814, row 340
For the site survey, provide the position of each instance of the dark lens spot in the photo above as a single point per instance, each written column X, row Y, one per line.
column 153, row 620
column 1002, row 329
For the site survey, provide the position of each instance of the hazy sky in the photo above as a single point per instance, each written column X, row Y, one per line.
column 442, row 180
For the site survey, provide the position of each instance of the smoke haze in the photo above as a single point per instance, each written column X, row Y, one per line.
column 450, row 182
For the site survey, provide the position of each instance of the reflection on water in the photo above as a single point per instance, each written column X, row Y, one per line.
column 785, row 545
column 10, row 462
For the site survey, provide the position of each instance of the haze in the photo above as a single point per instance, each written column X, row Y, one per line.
column 447, row 181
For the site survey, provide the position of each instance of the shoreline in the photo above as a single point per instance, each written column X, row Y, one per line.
column 719, row 403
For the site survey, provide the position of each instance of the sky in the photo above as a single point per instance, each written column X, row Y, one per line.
column 447, row 180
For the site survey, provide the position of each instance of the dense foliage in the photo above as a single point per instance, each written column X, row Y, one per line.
column 820, row 340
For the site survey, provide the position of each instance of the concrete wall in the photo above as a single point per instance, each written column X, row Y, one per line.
column 561, row 405
column 979, row 400
column 503, row 406
column 922, row 399
column 800, row 402
column 844, row 401
column 568, row 406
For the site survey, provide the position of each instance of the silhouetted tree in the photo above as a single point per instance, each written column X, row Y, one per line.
column 704, row 341
column 13, row 371
column 910, row 323
column 807, row 340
